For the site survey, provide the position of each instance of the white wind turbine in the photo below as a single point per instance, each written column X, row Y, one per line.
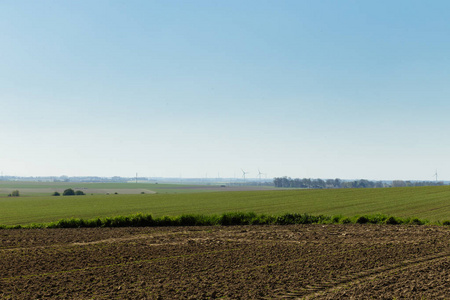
column 259, row 174
column 243, row 173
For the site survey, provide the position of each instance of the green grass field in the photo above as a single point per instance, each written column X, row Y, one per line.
column 431, row 203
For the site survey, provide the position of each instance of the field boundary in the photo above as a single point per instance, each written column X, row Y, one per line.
column 226, row 219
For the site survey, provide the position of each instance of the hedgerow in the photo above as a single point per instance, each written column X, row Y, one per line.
column 226, row 219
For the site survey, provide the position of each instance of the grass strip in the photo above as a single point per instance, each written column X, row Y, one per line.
column 226, row 219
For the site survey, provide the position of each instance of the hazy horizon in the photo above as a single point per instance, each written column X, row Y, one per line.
column 214, row 178
column 304, row 89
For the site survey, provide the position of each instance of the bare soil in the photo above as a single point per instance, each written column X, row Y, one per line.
column 238, row 262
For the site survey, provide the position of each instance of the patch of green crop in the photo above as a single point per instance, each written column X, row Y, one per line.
column 430, row 203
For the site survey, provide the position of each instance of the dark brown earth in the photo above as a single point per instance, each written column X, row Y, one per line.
column 241, row 262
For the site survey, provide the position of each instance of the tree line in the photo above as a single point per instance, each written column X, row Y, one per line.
column 308, row 183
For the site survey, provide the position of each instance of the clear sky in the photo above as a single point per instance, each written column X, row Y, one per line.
column 317, row 89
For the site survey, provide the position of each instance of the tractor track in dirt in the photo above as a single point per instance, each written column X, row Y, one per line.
column 324, row 288
column 236, row 262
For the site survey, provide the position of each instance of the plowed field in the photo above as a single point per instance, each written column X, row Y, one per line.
column 242, row 262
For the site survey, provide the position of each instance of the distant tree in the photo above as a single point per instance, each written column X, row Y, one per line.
column 306, row 182
column 56, row 194
column 379, row 184
column 337, row 183
column 346, row 184
column 14, row 194
column 363, row 183
column 319, row 184
column 285, row 182
column 329, row 183
column 297, row 182
column 398, row 183
column 79, row 193
column 68, row 192
column 277, row 182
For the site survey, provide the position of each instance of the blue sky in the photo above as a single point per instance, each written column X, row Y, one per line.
column 318, row 89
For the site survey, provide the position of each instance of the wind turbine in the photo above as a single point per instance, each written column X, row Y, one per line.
column 243, row 174
column 259, row 174
column 436, row 175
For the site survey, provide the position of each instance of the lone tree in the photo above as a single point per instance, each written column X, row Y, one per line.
column 14, row 194
column 79, row 193
column 56, row 194
column 68, row 192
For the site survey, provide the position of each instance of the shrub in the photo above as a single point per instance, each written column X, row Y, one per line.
column 119, row 221
column 36, row 226
column 263, row 220
column 142, row 220
column 287, row 219
column 362, row 220
column 392, row 221
column 375, row 219
column 79, row 193
column 237, row 218
column 165, row 221
column 188, row 220
column 321, row 219
column 56, row 194
column 68, row 223
column 346, row 220
column 415, row 221
column 68, row 192
column 336, row 219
